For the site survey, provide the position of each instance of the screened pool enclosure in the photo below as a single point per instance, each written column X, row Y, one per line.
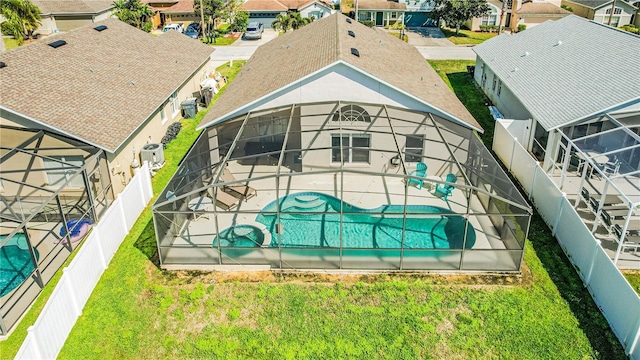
column 337, row 185
column 52, row 189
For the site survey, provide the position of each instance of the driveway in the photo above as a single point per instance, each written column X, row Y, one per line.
column 427, row 36
column 267, row 35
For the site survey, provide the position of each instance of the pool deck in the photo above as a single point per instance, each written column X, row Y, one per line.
column 364, row 191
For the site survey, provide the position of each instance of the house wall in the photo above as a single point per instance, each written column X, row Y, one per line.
column 508, row 104
column 624, row 18
column 344, row 83
column 317, row 11
column 579, row 9
column 494, row 11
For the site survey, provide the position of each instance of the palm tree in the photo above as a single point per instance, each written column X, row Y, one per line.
column 133, row 12
column 21, row 17
column 297, row 21
column 282, row 22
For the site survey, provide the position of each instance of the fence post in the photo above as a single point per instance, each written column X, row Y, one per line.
column 513, row 150
column 34, row 342
column 557, row 221
column 587, row 278
column 68, row 283
column 120, row 211
column 98, row 242
column 533, row 180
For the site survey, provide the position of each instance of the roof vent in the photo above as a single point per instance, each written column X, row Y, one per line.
column 3, row 64
column 526, row 53
column 559, row 43
column 349, row 20
column 355, row 52
column 56, row 44
column 100, row 28
column 351, row 33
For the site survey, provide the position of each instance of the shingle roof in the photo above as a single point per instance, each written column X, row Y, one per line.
column 541, row 8
column 380, row 5
column 565, row 77
column 72, row 6
column 279, row 5
column 592, row 3
column 292, row 56
column 100, row 86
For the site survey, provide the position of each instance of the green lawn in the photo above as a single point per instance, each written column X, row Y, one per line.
column 397, row 35
column 633, row 277
column 10, row 43
column 140, row 312
column 466, row 37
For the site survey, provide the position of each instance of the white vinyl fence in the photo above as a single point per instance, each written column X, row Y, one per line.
column 47, row 336
column 610, row 290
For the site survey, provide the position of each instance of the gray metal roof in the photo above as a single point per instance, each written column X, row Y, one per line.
column 574, row 68
column 592, row 3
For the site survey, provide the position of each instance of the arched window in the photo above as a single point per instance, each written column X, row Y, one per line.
column 352, row 113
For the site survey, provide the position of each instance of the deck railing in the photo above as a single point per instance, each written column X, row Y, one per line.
column 49, row 333
column 610, row 290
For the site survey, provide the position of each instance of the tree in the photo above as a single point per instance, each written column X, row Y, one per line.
column 134, row 13
column 212, row 9
column 290, row 20
column 22, row 18
column 282, row 22
column 240, row 22
column 457, row 12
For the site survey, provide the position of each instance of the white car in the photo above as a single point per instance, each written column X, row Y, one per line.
column 177, row 27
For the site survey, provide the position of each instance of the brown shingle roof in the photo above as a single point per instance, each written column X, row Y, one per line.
column 279, row 5
column 294, row 55
column 72, row 6
column 541, row 8
column 380, row 5
column 100, row 86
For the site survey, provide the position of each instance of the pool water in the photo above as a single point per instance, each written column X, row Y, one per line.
column 426, row 227
column 15, row 263
column 240, row 236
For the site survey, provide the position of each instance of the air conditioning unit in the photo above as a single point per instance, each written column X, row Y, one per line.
column 152, row 153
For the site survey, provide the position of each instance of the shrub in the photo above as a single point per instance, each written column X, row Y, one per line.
column 630, row 28
column 369, row 23
column 522, row 27
column 568, row 8
column 397, row 26
column 147, row 26
column 484, row 28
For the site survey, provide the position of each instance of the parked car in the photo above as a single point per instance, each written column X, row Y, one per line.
column 177, row 27
column 193, row 30
column 254, row 31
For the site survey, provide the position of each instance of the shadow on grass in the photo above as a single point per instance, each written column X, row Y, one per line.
column 449, row 33
column 147, row 244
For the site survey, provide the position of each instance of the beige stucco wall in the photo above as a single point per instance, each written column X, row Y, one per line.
column 579, row 10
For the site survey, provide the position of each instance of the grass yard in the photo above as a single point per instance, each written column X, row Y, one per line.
column 140, row 312
column 467, row 37
column 633, row 277
column 397, row 35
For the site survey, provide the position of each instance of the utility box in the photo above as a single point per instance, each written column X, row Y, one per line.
column 189, row 108
column 153, row 154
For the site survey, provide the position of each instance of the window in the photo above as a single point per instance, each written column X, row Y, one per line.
column 60, row 172
column 394, row 15
column 499, row 87
column 163, row 115
column 352, row 113
column 489, row 19
column 616, row 11
column 354, row 148
column 495, row 80
column 414, row 148
column 484, row 75
column 173, row 101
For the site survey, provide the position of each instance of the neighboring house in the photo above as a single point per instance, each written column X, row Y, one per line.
column 67, row 15
column 417, row 13
column 172, row 11
column 266, row 11
column 600, row 11
column 317, row 163
column 381, row 12
column 552, row 78
column 528, row 13
column 107, row 85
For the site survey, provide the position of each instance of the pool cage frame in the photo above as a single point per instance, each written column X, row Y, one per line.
column 201, row 172
column 41, row 191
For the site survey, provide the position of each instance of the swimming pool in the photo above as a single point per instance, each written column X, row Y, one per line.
column 427, row 227
column 15, row 263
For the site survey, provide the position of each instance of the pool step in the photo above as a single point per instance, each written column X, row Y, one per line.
column 306, row 198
